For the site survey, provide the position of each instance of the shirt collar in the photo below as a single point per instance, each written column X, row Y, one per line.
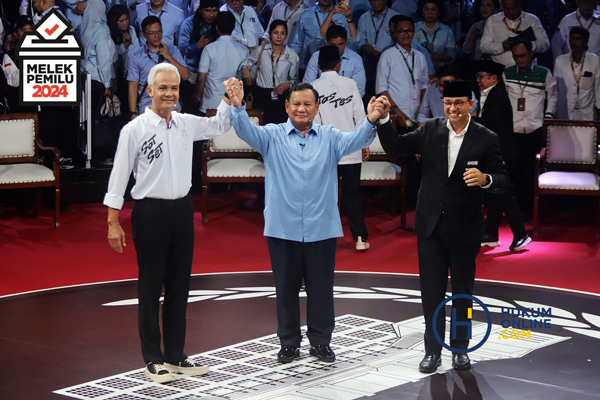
column 408, row 53
column 514, row 20
column 155, row 119
column 487, row 91
column 380, row 15
column 453, row 133
column 329, row 73
column 165, row 8
column 528, row 69
column 594, row 15
column 290, row 128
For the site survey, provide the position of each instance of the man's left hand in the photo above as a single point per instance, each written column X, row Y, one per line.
column 474, row 177
column 366, row 153
column 235, row 90
column 378, row 108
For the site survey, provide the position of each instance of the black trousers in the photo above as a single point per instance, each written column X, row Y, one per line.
column 529, row 145
column 163, row 233
column 274, row 111
column 352, row 200
column 314, row 263
column 504, row 204
column 438, row 254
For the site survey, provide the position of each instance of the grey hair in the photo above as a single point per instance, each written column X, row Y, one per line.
column 162, row 67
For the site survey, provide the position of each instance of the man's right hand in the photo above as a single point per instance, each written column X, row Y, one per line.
column 247, row 76
column 116, row 235
column 235, row 90
column 204, row 40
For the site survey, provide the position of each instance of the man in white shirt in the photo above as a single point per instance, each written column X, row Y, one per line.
column 288, row 11
column 503, row 27
column 248, row 30
column 586, row 17
column 157, row 146
column 402, row 74
column 578, row 78
column 341, row 105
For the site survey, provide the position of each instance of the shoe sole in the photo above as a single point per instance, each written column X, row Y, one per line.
column 427, row 371
column 461, row 367
column 159, row 378
column 527, row 241
column 191, row 371
column 287, row 360
column 490, row 244
column 324, row 359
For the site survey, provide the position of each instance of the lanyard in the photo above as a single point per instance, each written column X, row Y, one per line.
column 577, row 78
column 318, row 20
column 241, row 23
column 286, row 18
column 589, row 26
column 162, row 11
column 152, row 59
column 275, row 64
column 380, row 25
column 513, row 30
column 427, row 38
column 412, row 76
column 526, row 82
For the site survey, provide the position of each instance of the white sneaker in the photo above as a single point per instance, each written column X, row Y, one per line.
column 360, row 245
column 187, row 367
column 158, row 373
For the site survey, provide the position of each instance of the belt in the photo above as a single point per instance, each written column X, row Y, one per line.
column 166, row 202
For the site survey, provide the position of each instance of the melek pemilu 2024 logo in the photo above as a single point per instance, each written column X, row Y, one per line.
column 517, row 322
column 50, row 63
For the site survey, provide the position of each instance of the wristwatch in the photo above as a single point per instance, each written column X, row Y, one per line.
column 488, row 180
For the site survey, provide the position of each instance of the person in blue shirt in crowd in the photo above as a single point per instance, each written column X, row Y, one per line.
column 170, row 17
column 74, row 12
column 219, row 61
column 248, row 30
column 302, row 222
column 153, row 52
column 308, row 37
column 195, row 34
column 432, row 105
column 430, row 68
column 352, row 64
column 434, row 35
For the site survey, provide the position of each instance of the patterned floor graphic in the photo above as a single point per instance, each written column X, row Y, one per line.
column 372, row 355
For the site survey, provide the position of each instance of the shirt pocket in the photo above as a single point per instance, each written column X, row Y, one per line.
column 587, row 82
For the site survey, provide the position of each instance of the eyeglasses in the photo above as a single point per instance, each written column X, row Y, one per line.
column 519, row 56
column 405, row 31
column 155, row 33
column 457, row 103
column 480, row 77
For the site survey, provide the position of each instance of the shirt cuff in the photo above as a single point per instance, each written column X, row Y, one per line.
column 384, row 120
column 238, row 109
column 490, row 184
column 113, row 201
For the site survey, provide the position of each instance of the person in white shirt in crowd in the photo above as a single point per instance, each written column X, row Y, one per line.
column 276, row 73
column 289, row 11
column 432, row 105
column 402, row 74
column 11, row 66
column 220, row 60
column 170, row 17
column 43, row 7
column 502, row 28
column 578, row 77
column 248, row 30
column 126, row 42
column 157, row 148
column 587, row 17
column 341, row 105
column 472, row 45
column 533, row 96
column 434, row 35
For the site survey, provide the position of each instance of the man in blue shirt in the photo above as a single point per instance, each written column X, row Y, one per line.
column 352, row 64
column 170, row 16
column 302, row 221
column 248, row 29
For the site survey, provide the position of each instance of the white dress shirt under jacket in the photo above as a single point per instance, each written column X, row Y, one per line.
column 160, row 156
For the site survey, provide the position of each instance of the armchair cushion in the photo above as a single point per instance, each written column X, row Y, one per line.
column 569, row 180
column 379, row 171
column 235, row 167
column 25, row 173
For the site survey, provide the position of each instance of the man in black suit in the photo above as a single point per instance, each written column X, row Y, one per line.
column 460, row 159
column 496, row 114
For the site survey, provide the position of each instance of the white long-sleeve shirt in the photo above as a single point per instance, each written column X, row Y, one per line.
column 160, row 156
column 11, row 71
column 340, row 105
column 496, row 32
column 560, row 40
column 589, row 87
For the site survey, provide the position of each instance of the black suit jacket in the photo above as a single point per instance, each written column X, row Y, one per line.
column 497, row 116
column 461, row 204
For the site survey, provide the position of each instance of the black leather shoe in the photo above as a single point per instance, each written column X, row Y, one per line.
column 430, row 363
column 518, row 244
column 287, row 354
column 461, row 361
column 323, row 352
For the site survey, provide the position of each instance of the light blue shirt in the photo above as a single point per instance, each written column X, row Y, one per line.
column 440, row 41
column 220, row 61
column 394, row 76
column 170, row 16
column 190, row 50
column 75, row 19
column 125, row 54
column 247, row 26
column 408, row 8
column 352, row 67
column 308, row 37
column 301, row 188
column 99, row 62
column 139, row 67
column 375, row 30
column 432, row 105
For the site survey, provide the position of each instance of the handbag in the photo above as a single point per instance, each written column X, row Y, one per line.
column 250, row 96
column 108, row 123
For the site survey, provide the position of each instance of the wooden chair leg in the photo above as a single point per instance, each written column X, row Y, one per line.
column 536, row 213
column 36, row 202
column 57, row 208
column 204, row 203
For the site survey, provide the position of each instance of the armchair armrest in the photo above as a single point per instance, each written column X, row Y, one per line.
column 56, row 152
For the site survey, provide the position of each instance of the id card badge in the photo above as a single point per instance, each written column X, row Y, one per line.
column 274, row 96
column 577, row 104
column 521, row 104
column 416, row 93
column 245, row 42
